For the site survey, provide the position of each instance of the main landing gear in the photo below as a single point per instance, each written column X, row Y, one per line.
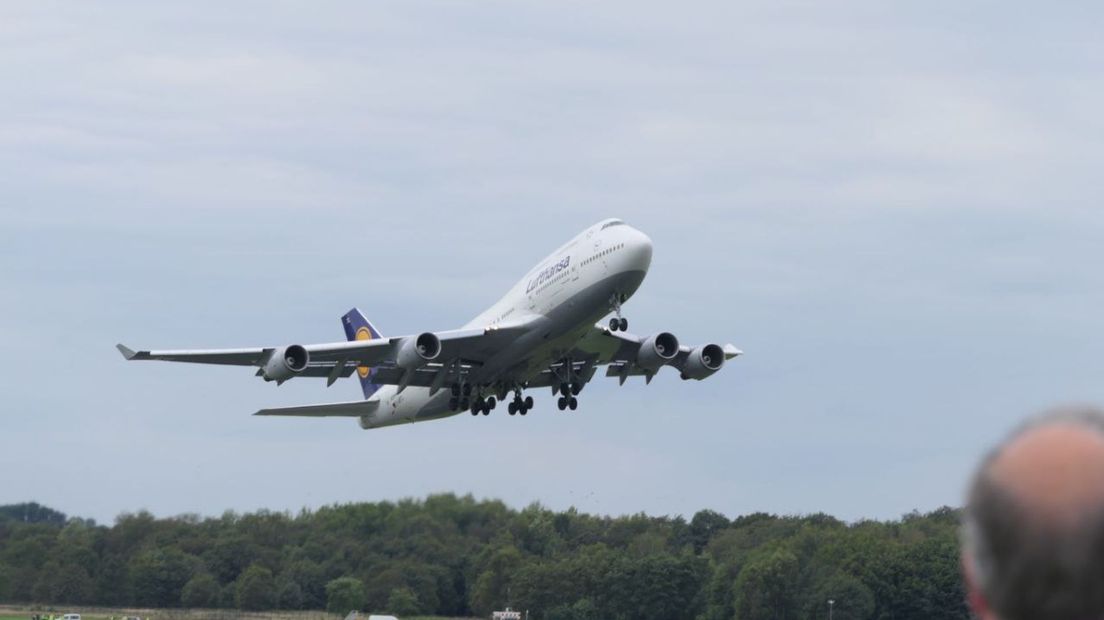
column 483, row 405
column 618, row 322
column 519, row 404
column 567, row 399
column 461, row 397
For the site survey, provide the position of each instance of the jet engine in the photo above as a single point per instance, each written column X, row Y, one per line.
column 703, row 361
column 656, row 351
column 285, row 362
column 415, row 351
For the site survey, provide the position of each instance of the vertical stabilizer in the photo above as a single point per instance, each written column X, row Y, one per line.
column 358, row 327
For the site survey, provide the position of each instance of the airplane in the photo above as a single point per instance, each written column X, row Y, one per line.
column 544, row 333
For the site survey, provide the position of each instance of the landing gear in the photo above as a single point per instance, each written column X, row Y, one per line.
column 571, row 389
column 461, row 396
column 483, row 405
column 618, row 322
column 567, row 402
column 519, row 404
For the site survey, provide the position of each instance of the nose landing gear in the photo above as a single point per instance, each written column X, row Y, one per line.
column 618, row 322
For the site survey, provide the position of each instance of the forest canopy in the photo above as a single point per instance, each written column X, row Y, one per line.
column 456, row 556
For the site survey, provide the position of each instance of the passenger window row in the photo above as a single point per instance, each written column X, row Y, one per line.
column 605, row 252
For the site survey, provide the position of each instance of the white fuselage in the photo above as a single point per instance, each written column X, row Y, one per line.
column 567, row 292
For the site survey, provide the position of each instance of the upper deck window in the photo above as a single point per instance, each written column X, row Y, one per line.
column 612, row 223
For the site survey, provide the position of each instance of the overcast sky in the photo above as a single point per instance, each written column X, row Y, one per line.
column 893, row 208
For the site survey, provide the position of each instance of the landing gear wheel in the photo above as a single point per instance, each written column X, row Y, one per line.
column 614, row 324
column 528, row 403
column 623, row 324
column 455, row 389
column 573, row 403
column 523, row 410
column 491, row 403
column 564, row 388
column 486, row 410
column 465, row 403
column 575, row 389
column 467, row 389
column 562, row 403
column 453, row 404
column 512, row 408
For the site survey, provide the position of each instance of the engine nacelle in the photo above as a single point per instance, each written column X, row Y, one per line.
column 415, row 351
column 703, row 361
column 657, row 350
column 285, row 363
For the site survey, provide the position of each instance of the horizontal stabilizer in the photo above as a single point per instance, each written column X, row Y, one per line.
column 349, row 410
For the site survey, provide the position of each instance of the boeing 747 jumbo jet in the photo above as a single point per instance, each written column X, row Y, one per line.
column 542, row 334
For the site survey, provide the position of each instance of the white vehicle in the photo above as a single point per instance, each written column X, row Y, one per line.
column 542, row 333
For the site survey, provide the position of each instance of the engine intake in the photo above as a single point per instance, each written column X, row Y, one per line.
column 417, row 350
column 703, row 361
column 285, row 362
column 657, row 350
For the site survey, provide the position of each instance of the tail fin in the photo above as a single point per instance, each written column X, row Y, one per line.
column 358, row 327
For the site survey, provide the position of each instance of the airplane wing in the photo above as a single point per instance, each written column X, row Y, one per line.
column 362, row 352
column 350, row 409
column 620, row 351
column 466, row 347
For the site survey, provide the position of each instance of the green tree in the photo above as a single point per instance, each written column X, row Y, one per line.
column 66, row 583
column 202, row 591
column 256, row 589
column 312, row 582
column 704, row 525
column 288, row 594
column 159, row 575
column 766, row 587
column 851, row 599
column 345, row 594
column 492, row 584
column 32, row 512
column 403, row 602
column 582, row 609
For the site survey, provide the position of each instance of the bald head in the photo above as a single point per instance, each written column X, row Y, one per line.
column 1034, row 522
column 1055, row 470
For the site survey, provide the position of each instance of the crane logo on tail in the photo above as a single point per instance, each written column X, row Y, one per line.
column 363, row 334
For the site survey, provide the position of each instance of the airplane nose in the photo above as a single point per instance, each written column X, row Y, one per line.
column 640, row 255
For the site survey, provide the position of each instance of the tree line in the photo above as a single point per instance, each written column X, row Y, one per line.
column 456, row 556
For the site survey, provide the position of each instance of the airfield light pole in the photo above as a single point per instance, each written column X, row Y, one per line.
column 831, row 602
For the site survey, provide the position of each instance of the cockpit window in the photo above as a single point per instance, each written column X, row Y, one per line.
column 612, row 223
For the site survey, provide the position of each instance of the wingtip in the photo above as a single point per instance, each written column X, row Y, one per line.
column 127, row 352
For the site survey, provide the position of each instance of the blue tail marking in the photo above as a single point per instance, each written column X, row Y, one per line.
column 358, row 327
